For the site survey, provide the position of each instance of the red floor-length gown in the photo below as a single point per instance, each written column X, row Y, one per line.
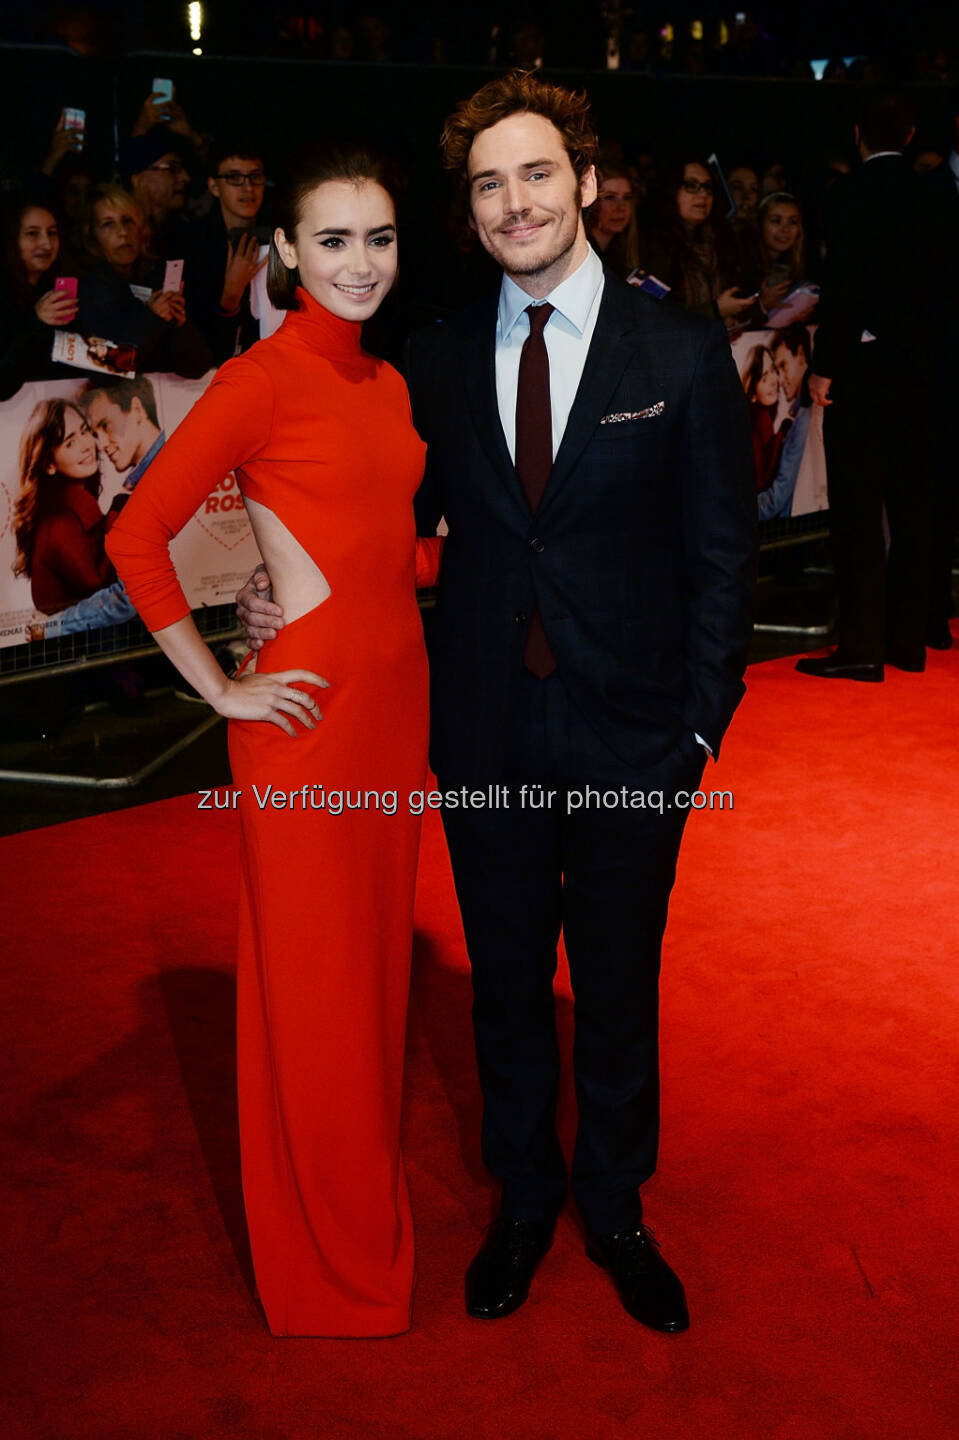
column 320, row 433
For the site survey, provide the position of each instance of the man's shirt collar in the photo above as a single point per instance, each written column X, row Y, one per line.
column 138, row 471
column 573, row 298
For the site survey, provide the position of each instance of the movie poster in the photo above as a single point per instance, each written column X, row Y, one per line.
column 787, row 437
column 71, row 453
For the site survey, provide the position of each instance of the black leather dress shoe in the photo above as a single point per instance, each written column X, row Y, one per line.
column 939, row 637
column 498, row 1280
column 650, row 1291
column 835, row 667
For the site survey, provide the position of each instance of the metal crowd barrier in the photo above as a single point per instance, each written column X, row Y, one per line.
column 777, row 535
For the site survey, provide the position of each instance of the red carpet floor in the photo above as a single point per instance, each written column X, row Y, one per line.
column 807, row 1189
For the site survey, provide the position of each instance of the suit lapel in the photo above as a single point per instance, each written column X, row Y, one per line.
column 479, row 375
column 606, row 359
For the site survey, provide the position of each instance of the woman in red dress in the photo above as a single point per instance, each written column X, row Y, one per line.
column 320, row 437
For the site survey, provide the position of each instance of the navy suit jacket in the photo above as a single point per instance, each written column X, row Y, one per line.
column 640, row 557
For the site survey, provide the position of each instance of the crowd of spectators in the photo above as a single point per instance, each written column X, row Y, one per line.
column 159, row 266
column 157, row 258
column 162, row 256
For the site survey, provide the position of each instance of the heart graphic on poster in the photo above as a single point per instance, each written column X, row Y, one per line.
column 6, row 510
column 236, row 509
column 220, row 540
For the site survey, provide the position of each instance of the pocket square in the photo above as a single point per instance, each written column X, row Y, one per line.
column 649, row 413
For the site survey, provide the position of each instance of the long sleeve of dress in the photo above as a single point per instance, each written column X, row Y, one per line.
column 227, row 426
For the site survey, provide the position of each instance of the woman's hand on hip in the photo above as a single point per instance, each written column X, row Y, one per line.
column 274, row 698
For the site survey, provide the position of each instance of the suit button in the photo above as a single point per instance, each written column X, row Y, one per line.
column 520, row 617
column 537, row 545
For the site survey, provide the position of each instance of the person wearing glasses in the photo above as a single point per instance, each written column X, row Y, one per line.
column 222, row 255
column 691, row 249
column 156, row 170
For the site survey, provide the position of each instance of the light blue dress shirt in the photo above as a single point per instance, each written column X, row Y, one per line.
column 567, row 334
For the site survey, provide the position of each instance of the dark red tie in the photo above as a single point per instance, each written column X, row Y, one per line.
column 534, row 458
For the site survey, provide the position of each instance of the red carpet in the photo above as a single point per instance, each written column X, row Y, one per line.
column 806, row 1193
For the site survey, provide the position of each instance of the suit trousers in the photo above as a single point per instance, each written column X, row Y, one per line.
column 572, row 854
column 880, row 451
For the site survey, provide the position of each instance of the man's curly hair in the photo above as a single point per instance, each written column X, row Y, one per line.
column 520, row 93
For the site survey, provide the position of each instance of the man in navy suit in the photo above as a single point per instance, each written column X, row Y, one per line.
column 589, row 448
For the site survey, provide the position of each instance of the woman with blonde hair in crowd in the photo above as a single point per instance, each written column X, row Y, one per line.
column 121, row 295
column 777, row 261
column 611, row 220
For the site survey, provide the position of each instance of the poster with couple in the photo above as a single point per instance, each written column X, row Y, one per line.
column 786, row 429
column 71, row 452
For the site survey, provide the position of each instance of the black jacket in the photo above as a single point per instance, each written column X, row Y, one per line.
column 891, row 245
column 640, row 556
column 107, row 308
column 203, row 274
column 25, row 344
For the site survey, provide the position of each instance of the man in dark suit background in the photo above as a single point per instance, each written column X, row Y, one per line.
column 945, row 494
column 888, row 299
column 590, row 451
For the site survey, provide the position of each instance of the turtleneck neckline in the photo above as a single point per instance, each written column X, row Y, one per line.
column 335, row 335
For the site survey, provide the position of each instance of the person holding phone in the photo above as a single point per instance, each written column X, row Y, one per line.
column 224, row 250
column 691, row 248
column 776, row 261
column 31, row 307
column 67, row 139
column 117, row 260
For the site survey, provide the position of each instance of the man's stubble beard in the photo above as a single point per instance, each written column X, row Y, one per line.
column 540, row 266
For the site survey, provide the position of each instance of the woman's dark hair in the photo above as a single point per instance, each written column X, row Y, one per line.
column 670, row 181
column 753, row 371
column 13, row 266
column 673, row 250
column 310, row 168
column 43, row 435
